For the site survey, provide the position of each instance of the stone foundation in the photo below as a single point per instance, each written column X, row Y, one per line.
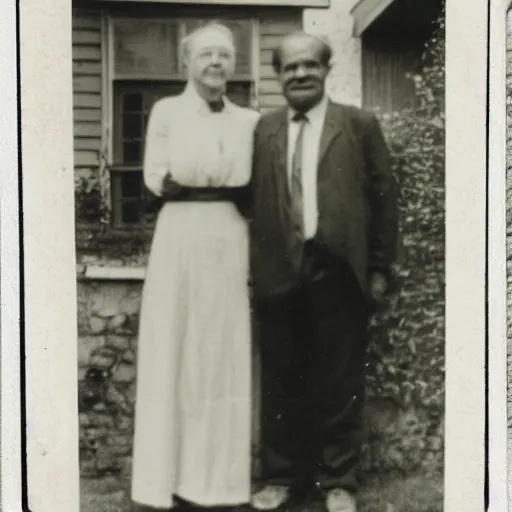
column 107, row 326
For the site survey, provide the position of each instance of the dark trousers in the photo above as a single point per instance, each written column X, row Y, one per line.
column 313, row 346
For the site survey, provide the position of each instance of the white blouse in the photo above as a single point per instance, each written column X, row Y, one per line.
column 198, row 147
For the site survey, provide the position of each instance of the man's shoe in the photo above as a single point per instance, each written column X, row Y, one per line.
column 339, row 500
column 270, row 498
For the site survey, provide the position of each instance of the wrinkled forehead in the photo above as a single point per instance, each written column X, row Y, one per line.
column 301, row 48
column 210, row 37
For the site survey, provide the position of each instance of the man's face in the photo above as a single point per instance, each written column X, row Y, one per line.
column 210, row 59
column 302, row 73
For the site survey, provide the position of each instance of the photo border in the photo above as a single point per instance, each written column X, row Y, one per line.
column 466, row 111
column 10, row 384
column 499, row 486
column 49, row 255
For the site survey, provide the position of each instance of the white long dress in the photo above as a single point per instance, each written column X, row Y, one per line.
column 193, row 406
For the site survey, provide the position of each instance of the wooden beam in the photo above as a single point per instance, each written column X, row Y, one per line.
column 266, row 3
column 365, row 12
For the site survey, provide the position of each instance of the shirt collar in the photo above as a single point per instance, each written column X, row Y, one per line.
column 315, row 114
column 198, row 103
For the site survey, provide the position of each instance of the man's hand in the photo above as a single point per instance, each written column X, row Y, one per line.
column 378, row 288
column 170, row 188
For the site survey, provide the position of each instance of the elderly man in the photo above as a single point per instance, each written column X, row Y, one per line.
column 323, row 234
column 193, row 407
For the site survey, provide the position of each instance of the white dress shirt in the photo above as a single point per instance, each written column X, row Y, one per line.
column 310, row 148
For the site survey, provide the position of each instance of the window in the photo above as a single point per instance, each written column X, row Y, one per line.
column 146, row 68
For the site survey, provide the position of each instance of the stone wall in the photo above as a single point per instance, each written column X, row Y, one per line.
column 107, row 322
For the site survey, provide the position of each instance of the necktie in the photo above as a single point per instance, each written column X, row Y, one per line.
column 297, row 205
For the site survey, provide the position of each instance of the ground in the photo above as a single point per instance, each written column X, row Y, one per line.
column 412, row 494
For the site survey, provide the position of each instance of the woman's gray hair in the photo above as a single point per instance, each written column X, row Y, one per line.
column 210, row 25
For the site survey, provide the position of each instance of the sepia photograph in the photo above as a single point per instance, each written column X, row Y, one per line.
column 260, row 246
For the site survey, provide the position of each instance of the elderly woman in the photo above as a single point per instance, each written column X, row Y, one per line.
column 193, row 414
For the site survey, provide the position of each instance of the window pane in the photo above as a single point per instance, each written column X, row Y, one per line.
column 132, row 102
column 132, row 152
column 145, row 48
column 131, row 185
column 132, row 126
column 131, row 212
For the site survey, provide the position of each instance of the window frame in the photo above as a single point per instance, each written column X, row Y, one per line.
column 252, row 77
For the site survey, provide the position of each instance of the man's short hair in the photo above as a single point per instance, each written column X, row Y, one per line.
column 325, row 49
column 210, row 25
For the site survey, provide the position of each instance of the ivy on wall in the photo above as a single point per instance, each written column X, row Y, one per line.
column 406, row 370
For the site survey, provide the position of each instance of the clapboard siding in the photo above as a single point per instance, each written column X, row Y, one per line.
column 87, row 74
column 273, row 27
column 269, row 86
column 87, row 114
column 86, row 36
column 86, row 144
column 85, row 68
column 85, row 158
column 86, row 83
column 87, row 130
column 87, row 100
column 87, row 88
column 86, row 53
column 267, row 71
column 272, row 101
column 272, row 40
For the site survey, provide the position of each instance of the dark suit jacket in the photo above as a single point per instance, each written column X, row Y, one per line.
column 357, row 197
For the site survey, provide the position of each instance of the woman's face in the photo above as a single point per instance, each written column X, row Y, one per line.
column 211, row 59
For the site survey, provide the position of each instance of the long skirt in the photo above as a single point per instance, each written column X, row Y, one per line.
column 193, row 406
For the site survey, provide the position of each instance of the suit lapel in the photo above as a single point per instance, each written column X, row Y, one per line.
column 332, row 128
